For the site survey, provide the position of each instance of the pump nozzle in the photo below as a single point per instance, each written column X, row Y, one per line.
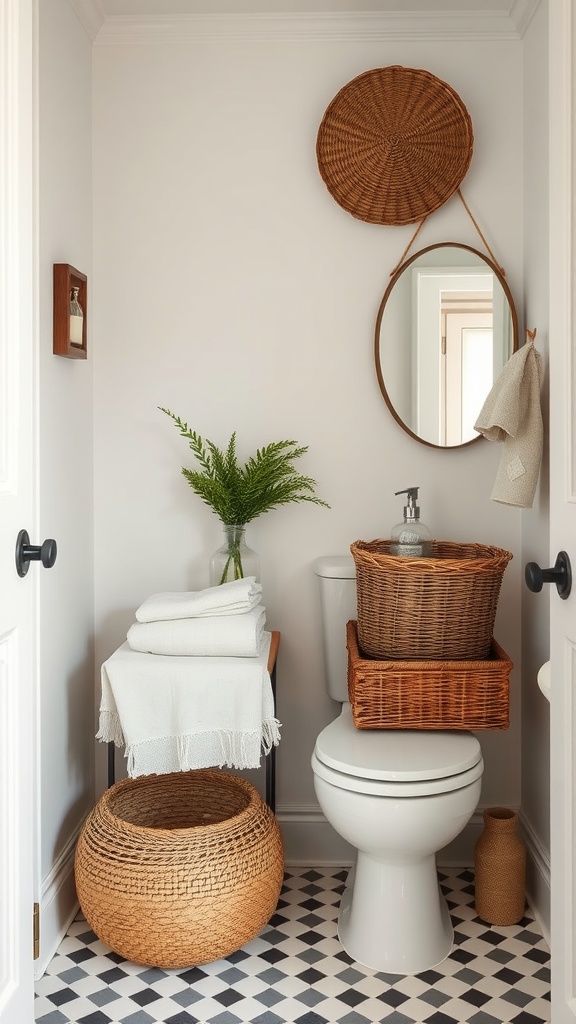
column 411, row 538
column 411, row 510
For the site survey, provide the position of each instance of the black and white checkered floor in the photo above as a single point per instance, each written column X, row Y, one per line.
column 295, row 972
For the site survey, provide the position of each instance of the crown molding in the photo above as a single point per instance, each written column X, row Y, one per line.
column 90, row 16
column 521, row 14
column 338, row 26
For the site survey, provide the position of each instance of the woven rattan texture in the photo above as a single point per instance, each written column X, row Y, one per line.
column 441, row 607
column 428, row 694
column 394, row 144
column 500, row 862
column 179, row 870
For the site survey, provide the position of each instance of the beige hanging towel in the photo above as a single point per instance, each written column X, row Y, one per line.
column 512, row 414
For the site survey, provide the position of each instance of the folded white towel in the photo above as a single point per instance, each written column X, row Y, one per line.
column 228, row 599
column 233, row 636
column 177, row 714
column 512, row 414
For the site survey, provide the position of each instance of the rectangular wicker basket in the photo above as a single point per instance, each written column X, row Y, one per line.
column 428, row 694
column 441, row 607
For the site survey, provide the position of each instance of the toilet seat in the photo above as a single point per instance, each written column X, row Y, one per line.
column 395, row 762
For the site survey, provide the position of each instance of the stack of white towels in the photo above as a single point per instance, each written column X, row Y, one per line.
column 226, row 621
column 191, row 687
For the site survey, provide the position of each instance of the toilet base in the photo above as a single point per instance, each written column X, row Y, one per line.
column 393, row 917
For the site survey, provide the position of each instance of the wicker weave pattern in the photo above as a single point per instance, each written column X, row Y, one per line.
column 428, row 694
column 394, row 144
column 500, row 869
column 441, row 607
column 181, row 869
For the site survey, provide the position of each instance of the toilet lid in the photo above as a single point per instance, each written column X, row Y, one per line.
column 395, row 755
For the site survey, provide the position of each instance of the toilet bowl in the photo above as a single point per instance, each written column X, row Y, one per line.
column 397, row 796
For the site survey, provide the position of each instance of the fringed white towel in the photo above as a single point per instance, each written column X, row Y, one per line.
column 176, row 714
column 228, row 599
column 231, row 636
column 512, row 414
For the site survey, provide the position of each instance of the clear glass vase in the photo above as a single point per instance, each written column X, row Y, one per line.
column 234, row 559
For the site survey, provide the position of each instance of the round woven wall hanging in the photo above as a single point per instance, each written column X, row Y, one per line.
column 394, row 144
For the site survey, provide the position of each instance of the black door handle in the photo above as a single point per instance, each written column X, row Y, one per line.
column 560, row 574
column 27, row 552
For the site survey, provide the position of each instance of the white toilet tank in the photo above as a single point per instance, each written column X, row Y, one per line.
column 337, row 579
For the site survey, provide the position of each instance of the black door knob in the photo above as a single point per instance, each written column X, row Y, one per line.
column 560, row 574
column 27, row 552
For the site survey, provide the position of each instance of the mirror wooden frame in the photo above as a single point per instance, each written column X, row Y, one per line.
column 497, row 271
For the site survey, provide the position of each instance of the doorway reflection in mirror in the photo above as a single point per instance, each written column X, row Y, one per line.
column 445, row 328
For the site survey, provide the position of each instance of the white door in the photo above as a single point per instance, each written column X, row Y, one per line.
column 562, row 52
column 467, row 372
column 17, row 719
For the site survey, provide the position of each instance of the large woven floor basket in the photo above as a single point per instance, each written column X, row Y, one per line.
column 179, row 870
column 441, row 607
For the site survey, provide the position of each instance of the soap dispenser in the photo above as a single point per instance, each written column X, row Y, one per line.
column 411, row 538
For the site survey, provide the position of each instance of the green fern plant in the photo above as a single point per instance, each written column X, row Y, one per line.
column 240, row 493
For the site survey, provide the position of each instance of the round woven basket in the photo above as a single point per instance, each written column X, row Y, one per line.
column 394, row 144
column 181, row 869
column 438, row 608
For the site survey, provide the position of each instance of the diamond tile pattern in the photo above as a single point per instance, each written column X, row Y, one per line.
column 296, row 972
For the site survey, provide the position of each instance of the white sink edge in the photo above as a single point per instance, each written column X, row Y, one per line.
column 543, row 678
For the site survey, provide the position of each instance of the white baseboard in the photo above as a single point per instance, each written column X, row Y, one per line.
column 310, row 841
column 58, row 904
column 537, row 877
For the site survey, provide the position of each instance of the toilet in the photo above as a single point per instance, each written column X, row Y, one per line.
column 397, row 796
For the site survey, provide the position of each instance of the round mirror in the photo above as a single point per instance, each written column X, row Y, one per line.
column 445, row 328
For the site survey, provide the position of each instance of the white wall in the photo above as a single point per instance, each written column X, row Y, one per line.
column 66, row 740
column 535, row 532
column 233, row 289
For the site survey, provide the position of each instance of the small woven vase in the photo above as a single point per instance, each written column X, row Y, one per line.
column 500, row 864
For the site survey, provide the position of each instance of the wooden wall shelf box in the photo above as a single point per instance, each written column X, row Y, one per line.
column 69, row 334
